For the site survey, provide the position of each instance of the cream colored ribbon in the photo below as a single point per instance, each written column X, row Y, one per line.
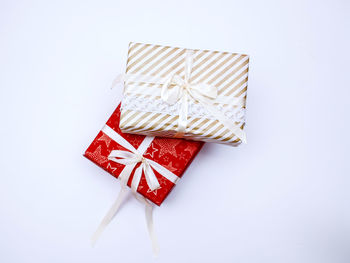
column 176, row 89
column 130, row 159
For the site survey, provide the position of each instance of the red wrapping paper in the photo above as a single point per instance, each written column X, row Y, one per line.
column 173, row 154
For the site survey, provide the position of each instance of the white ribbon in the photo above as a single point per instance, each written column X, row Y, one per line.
column 130, row 159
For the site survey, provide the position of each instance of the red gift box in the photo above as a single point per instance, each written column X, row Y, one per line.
column 173, row 154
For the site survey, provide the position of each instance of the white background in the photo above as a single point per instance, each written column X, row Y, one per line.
column 283, row 197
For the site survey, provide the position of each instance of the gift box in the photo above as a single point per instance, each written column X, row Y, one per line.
column 163, row 159
column 185, row 93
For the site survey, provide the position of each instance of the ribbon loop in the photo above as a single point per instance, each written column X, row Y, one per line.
column 124, row 157
column 151, row 178
column 170, row 92
column 132, row 157
column 206, row 90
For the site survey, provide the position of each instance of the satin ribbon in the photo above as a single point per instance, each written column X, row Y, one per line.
column 130, row 159
column 176, row 89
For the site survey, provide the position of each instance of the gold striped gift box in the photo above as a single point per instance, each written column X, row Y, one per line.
column 143, row 110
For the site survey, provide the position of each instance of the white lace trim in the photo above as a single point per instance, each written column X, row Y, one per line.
column 194, row 110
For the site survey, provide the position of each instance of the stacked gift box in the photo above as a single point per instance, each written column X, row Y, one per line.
column 174, row 100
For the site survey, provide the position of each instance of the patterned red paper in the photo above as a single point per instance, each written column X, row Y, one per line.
column 174, row 154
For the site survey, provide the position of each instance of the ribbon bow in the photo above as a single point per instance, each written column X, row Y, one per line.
column 130, row 158
column 177, row 89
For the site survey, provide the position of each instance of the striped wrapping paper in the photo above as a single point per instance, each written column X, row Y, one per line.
column 144, row 112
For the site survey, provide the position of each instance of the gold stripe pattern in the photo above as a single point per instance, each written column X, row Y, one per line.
column 227, row 71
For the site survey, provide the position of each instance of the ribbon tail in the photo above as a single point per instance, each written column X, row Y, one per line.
column 150, row 227
column 234, row 128
column 119, row 78
column 110, row 214
column 136, row 179
column 151, row 178
column 149, row 222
